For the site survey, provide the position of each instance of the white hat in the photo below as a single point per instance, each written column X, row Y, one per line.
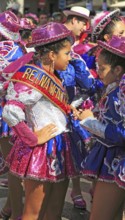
column 13, row 5
column 78, row 11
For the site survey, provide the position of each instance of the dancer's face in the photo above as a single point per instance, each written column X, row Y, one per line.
column 105, row 72
column 119, row 29
column 79, row 26
column 62, row 58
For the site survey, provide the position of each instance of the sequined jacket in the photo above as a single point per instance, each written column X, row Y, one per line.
column 109, row 126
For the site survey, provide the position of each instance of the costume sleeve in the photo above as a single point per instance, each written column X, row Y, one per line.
column 90, row 60
column 113, row 113
column 14, row 115
column 116, row 133
column 94, row 126
column 113, row 134
column 18, row 97
column 84, row 78
column 25, row 134
column 68, row 76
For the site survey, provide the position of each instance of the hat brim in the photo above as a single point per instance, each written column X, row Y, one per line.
column 9, row 34
column 111, row 49
column 17, row 64
column 110, row 15
column 48, row 41
column 83, row 48
column 69, row 12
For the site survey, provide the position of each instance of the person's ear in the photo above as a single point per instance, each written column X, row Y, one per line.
column 74, row 19
column 118, row 71
column 29, row 39
column 51, row 55
column 107, row 37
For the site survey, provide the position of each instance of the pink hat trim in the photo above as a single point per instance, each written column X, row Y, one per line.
column 101, row 25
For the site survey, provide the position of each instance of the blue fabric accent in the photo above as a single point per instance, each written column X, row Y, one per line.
column 85, row 135
column 68, row 81
column 115, row 134
column 14, row 53
column 59, row 144
column 77, row 75
column 49, row 146
column 90, row 61
column 78, row 148
column 83, row 77
column 68, row 76
column 97, row 86
column 5, row 130
column 71, row 93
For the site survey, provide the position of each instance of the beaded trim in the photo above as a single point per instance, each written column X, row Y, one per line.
column 9, row 34
column 103, row 23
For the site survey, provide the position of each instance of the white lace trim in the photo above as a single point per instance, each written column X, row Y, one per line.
column 9, row 34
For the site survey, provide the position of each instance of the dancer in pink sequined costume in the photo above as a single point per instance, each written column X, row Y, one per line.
column 36, row 95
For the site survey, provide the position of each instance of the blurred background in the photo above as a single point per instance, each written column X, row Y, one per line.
column 51, row 6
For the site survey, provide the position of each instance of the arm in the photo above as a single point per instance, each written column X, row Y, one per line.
column 94, row 126
column 114, row 134
column 14, row 114
column 37, row 137
column 84, row 78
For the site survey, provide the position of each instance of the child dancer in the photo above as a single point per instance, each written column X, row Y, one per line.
column 40, row 99
column 105, row 160
column 106, row 24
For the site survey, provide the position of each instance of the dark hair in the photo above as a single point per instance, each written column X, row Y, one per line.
column 54, row 46
column 25, row 34
column 33, row 20
column 70, row 17
column 113, row 59
column 109, row 28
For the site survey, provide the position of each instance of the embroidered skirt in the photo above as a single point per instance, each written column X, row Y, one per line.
column 44, row 162
column 105, row 163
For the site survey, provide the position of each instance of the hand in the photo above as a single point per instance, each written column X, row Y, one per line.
column 75, row 112
column 46, row 133
column 85, row 114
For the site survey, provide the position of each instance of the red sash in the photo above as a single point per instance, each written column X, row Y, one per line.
column 45, row 83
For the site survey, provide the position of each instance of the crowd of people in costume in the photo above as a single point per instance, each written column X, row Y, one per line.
column 62, row 100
